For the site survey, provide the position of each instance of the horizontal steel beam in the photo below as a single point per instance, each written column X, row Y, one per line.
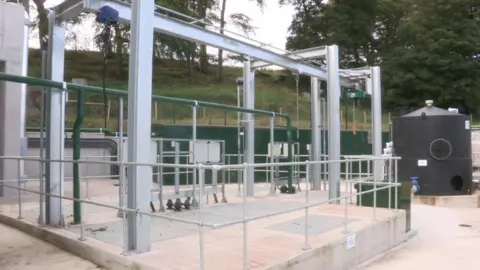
column 188, row 31
column 305, row 54
column 68, row 9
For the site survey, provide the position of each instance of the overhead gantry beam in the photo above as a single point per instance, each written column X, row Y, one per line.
column 68, row 9
column 311, row 54
column 188, row 31
column 305, row 54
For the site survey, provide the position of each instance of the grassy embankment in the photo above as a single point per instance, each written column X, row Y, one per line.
column 275, row 90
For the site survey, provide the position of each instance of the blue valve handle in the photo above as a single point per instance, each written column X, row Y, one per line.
column 416, row 185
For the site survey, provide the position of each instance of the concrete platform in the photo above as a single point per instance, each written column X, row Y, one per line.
column 465, row 201
column 273, row 243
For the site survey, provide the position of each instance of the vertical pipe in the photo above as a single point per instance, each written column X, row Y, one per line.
column 249, row 153
column 333, row 96
column 194, row 160
column 315, row 144
column 139, row 123
column 376, row 122
column 121, row 171
column 272, row 142
column 77, row 218
column 56, row 122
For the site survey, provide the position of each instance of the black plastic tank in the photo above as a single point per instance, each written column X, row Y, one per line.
column 435, row 145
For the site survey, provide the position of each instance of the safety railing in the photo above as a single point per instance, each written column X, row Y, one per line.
column 202, row 219
column 81, row 91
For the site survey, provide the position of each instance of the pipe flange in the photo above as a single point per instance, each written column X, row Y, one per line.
column 440, row 149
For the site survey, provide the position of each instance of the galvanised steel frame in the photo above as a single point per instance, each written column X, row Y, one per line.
column 143, row 23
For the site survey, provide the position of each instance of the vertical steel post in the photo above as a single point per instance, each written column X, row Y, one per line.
column 333, row 85
column 139, row 123
column 316, row 137
column 55, row 123
column 77, row 217
column 41, row 197
column 376, row 122
column 249, row 153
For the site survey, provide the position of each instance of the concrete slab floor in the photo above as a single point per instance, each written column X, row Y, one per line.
column 447, row 239
column 19, row 251
column 176, row 246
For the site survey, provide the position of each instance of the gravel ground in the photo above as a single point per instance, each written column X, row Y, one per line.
column 448, row 238
column 19, row 251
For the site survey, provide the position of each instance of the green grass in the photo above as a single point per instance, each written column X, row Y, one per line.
column 275, row 91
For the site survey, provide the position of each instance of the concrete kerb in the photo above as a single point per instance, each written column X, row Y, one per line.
column 409, row 236
column 368, row 247
column 108, row 259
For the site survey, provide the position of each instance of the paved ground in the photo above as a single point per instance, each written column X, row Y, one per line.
column 447, row 238
column 19, row 251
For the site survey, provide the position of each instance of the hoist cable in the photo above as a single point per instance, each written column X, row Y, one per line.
column 297, row 79
column 107, row 37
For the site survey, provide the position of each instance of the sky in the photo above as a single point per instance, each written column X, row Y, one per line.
column 271, row 25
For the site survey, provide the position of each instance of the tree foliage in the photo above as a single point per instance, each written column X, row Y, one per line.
column 427, row 49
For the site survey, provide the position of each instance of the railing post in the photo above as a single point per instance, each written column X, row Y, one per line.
column 244, row 213
column 396, row 182
column 307, row 201
column 80, row 209
column 201, row 180
column 19, row 184
column 272, row 142
column 194, row 147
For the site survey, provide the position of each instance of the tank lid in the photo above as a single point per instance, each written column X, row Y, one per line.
column 431, row 110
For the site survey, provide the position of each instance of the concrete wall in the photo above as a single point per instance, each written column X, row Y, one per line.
column 12, row 27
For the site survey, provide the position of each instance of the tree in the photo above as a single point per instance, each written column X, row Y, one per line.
column 241, row 21
column 436, row 58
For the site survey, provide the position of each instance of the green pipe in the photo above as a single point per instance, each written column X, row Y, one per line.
column 77, row 217
column 99, row 90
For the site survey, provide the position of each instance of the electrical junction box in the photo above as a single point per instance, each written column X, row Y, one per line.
column 280, row 149
column 205, row 152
